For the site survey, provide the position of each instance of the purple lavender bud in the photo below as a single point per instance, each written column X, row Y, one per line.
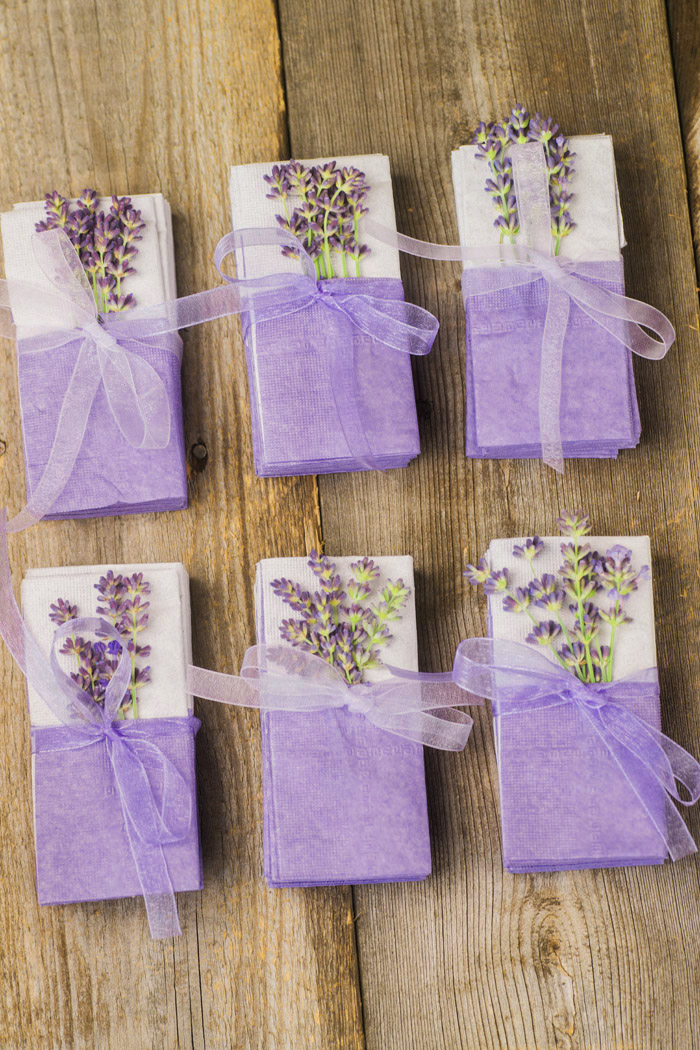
column 508, row 225
column 530, row 549
column 542, row 587
column 574, row 524
column 544, row 633
column 496, row 581
column 365, row 570
column 574, row 656
column 517, row 602
column 477, row 574
column 290, row 253
column 62, row 611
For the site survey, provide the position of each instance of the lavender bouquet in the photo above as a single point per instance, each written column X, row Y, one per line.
column 331, row 201
column 93, row 793
column 506, row 303
column 330, row 388
column 122, row 603
column 105, row 242
column 493, row 142
column 344, row 801
column 125, row 250
column 569, row 797
column 337, row 622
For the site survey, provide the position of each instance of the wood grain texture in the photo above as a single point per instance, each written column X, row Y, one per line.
column 474, row 957
column 136, row 96
column 164, row 95
column 684, row 29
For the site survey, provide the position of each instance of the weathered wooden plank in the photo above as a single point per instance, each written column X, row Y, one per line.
column 136, row 97
column 475, row 957
column 684, row 30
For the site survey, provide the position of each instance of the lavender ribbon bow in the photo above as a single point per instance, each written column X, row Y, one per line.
column 398, row 325
column 136, row 761
column 109, row 346
column 409, row 704
column 623, row 317
column 519, row 679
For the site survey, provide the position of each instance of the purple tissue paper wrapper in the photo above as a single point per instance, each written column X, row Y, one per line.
column 565, row 803
column 344, row 803
column 82, row 847
column 110, row 476
column 295, row 422
column 504, row 328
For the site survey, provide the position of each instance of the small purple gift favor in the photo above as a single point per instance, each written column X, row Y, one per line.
column 586, row 775
column 345, row 715
column 330, row 377
column 544, row 296
column 343, row 801
column 106, row 652
column 100, row 390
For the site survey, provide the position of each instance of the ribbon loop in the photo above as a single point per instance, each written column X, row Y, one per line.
column 409, row 704
column 519, row 680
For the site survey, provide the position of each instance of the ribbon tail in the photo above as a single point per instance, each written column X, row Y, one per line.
column 550, row 377
column 143, row 824
column 342, row 367
column 67, row 442
column 163, row 921
column 650, row 790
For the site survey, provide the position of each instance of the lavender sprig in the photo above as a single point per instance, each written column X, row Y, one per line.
column 331, row 201
column 337, row 622
column 493, row 141
column 597, row 586
column 121, row 602
column 105, row 242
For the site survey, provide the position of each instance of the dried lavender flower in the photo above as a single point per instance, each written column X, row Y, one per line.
column 328, row 204
column 587, row 578
column 121, row 602
column 493, row 141
column 104, row 241
column 529, row 549
column 337, row 622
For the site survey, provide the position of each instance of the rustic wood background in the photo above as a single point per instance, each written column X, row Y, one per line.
column 141, row 95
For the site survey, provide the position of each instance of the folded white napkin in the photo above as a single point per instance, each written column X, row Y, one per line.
column 402, row 650
column 153, row 282
column 635, row 643
column 250, row 207
column 168, row 631
column 595, row 208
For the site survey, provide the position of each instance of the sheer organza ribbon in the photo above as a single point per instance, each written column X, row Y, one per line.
column 519, row 680
column 393, row 323
column 109, row 346
column 524, row 264
column 137, row 761
column 411, row 704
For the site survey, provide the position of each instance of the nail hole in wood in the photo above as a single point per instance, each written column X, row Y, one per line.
column 198, row 457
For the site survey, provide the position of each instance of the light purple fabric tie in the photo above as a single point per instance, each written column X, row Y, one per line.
column 510, row 266
column 518, row 679
column 410, row 704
